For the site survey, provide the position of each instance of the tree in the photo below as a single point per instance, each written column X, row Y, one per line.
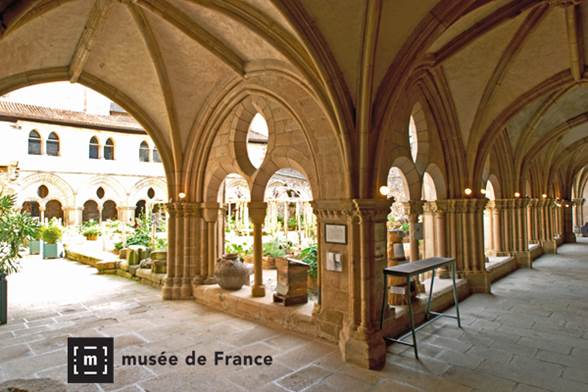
column 15, row 229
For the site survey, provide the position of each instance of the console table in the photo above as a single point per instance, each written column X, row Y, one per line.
column 409, row 270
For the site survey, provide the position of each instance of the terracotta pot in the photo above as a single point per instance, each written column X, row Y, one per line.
column 230, row 272
column 91, row 237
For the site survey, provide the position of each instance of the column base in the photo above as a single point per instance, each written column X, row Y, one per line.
column 524, row 259
column 549, row 246
column 186, row 289
column 258, row 291
column 363, row 348
column 570, row 238
column 197, row 280
column 479, row 282
column 167, row 291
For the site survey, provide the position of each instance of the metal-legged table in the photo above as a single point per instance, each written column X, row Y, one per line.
column 408, row 270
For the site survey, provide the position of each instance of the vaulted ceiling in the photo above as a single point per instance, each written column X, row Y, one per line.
column 506, row 68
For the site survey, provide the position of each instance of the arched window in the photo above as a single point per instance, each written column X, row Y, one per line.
column 94, row 148
column 412, row 138
column 52, row 145
column 34, row 143
column 144, row 152
column 109, row 150
column 156, row 157
column 257, row 139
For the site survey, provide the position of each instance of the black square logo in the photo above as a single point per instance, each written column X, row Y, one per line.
column 90, row 360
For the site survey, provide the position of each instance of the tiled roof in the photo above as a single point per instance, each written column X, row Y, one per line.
column 23, row 111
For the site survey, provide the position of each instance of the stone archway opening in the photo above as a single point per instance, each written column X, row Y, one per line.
column 90, row 212
column 109, row 211
column 54, row 210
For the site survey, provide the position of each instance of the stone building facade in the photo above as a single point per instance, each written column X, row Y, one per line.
column 76, row 166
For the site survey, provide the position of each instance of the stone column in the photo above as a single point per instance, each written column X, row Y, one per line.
column 257, row 211
column 567, row 222
column 168, row 285
column 179, row 254
column 361, row 339
column 195, row 244
column 546, row 207
column 437, row 209
column 533, row 233
column 521, row 242
column 189, row 250
column 465, row 231
column 127, row 214
column 210, row 215
column 413, row 209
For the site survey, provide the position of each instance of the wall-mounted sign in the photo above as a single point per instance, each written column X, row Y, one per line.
column 335, row 234
column 334, row 262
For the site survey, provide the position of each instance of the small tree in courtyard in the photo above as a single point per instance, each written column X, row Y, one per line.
column 15, row 229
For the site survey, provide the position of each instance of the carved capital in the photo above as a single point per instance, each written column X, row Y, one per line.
column 210, row 211
column 413, row 207
column 372, row 209
column 333, row 209
column 257, row 211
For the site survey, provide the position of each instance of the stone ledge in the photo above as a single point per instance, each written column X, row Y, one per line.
column 239, row 303
column 500, row 266
column 442, row 299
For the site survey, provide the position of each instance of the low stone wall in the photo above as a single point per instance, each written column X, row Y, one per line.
column 501, row 267
column 103, row 266
column 442, row 299
column 240, row 303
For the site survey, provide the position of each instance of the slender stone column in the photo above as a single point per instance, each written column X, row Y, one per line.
column 257, row 211
column 189, row 249
column 466, row 240
column 533, row 235
column 567, row 222
column 168, row 286
column 179, row 264
column 195, row 248
column 210, row 215
column 437, row 210
column 413, row 209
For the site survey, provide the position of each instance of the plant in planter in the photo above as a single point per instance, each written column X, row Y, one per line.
column 15, row 229
column 35, row 245
column 91, row 230
column 276, row 248
column 51, row 235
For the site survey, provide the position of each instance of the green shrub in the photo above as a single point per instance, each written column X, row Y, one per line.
column 118, row 245
column 15, row 229
column 90, row 228
column 277, row 247
column 309, row 255
column 240, row 248
column 51, row 234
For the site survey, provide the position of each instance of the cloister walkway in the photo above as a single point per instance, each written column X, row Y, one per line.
column 529, row 335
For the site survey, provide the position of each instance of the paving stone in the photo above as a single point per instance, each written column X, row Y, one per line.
column 304, row 378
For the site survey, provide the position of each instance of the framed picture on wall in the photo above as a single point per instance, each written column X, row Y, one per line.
column 335, row 234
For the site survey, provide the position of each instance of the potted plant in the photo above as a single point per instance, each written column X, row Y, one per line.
column 51, row 235
column 15, row 229
column 272, row 250
column 35, row 245
column 91, row 230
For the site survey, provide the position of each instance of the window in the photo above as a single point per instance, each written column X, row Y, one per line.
column 144, row 152
column 94, row 148
column 52, row 145
column 109, row 150
column 156, row 157
column 34, row 143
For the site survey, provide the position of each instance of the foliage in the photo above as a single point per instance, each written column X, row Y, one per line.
column 90, row 228
column 241, row 248
column 310, row 256
column 292, row 223
column 51, row 234
column 142, row 233
column 118, row 245
column 160, row 244
column 276, row 247
column 15, row 229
